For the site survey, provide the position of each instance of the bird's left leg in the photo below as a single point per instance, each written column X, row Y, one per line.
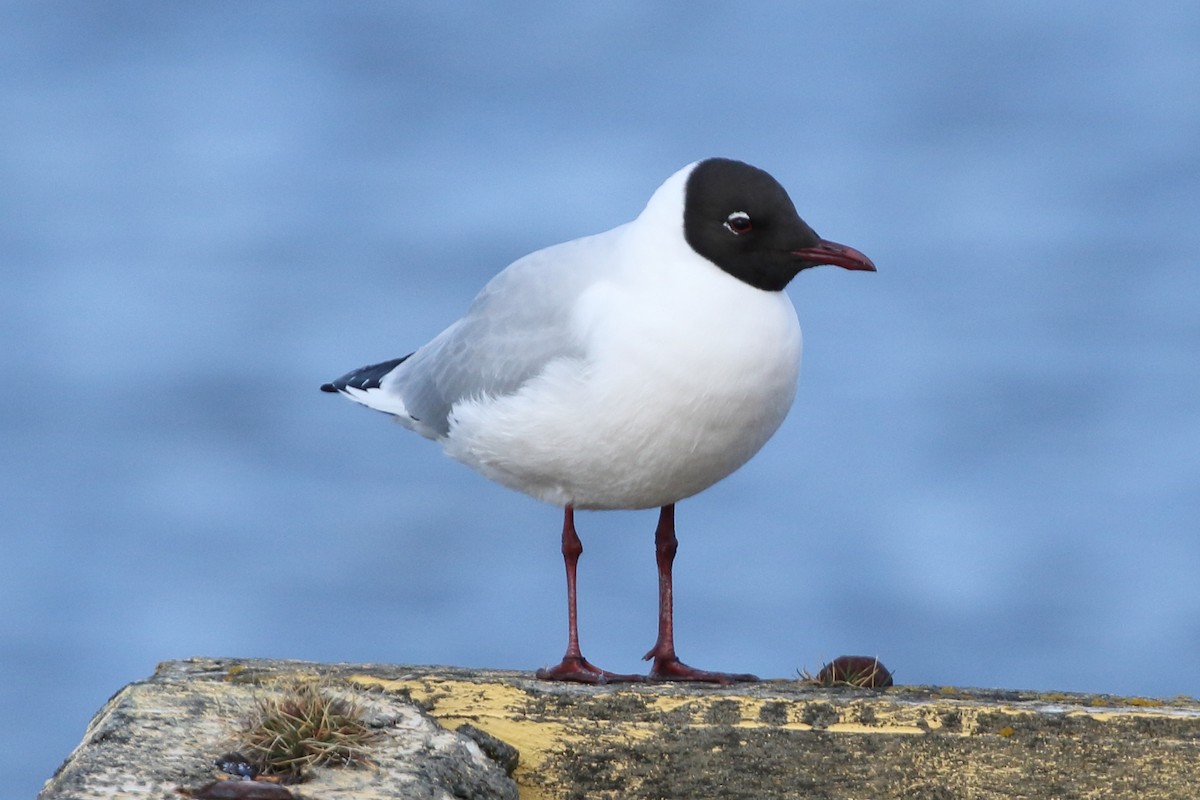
column 667, row 666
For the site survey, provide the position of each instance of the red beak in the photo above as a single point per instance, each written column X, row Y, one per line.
column 827, row 252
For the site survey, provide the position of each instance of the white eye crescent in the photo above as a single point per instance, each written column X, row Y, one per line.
column 738, row 223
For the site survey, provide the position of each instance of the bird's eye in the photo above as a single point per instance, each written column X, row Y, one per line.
column 738, row 223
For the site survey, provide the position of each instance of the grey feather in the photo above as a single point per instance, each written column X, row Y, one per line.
column 517, row 324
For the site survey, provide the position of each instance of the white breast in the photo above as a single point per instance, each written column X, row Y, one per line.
column 687, row 373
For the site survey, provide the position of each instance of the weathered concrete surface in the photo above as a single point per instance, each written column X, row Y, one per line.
column 161, row 735
column 776, row 739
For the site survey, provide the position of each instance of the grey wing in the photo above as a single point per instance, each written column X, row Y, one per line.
column 518, row 323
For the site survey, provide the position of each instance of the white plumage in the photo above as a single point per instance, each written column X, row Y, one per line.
column 630, row 369
column 655, row 376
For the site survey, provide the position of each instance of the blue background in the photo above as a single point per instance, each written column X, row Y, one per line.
column 990, row 476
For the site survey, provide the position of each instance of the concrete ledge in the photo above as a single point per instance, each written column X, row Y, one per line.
column 773, row 739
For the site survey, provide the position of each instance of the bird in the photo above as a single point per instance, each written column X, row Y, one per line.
column 629, row 369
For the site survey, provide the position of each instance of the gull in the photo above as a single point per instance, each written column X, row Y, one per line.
column 630, row 369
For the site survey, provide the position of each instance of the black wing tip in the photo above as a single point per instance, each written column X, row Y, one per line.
column 365, row 377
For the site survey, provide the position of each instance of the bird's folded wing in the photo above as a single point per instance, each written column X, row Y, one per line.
column 518, row 323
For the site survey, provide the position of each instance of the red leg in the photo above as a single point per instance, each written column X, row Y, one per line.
column 574, row 667
column 667, row 666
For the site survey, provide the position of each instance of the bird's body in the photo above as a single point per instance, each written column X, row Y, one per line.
column 616, row 371
column 630, row 369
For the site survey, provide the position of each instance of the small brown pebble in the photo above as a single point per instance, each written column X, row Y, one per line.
column 241, row 790
column 865, row 672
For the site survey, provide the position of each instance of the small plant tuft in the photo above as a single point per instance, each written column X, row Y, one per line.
column 302, row 724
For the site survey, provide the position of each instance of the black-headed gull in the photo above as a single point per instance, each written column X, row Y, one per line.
column 629, row 369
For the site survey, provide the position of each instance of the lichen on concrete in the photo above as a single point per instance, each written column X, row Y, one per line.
column 774, row 739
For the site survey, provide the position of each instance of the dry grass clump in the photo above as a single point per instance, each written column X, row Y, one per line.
column 302, row 724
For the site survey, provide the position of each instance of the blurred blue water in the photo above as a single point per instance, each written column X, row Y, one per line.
column 990, row 475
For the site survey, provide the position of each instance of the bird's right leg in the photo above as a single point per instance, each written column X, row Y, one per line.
column 574, row 667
